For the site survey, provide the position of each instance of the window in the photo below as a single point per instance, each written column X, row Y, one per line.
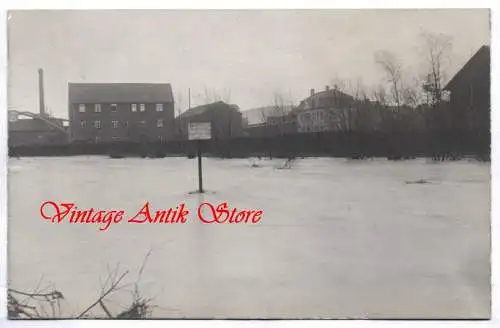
column 81, row 108
column 143, row 107
column 115, row 124
column 83, row 124
column 113, row 107
column 134, row 107
column 97, row 124
column 159, row 107
column 142, row 123
column 159, row 123
column 97, row 108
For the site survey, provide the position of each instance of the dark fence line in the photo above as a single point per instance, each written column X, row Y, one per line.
column 335, row 144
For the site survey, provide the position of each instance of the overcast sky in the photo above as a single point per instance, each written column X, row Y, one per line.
column 246, row 56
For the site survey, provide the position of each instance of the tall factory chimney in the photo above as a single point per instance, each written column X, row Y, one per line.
column 41, row 92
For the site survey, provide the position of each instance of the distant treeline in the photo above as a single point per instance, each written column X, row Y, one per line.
column 441, row 144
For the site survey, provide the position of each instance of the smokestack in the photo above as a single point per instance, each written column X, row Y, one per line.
column 41, row 92
column 312, row 92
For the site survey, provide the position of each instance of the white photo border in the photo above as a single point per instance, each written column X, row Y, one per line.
column 494, row 5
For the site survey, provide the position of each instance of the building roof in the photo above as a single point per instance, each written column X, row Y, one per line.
column 322, row 97
column 329, row 93
column 120, row 93
column 203, row 108
column 480, row 58
column 260, row 115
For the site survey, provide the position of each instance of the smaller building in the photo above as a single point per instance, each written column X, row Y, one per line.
column 270, row 121
column 328, row 110
column 36, row 130
column 226, row 120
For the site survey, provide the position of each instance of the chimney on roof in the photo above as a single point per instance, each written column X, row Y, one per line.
column 327, row 87
column 41, row 97
column 312, row 92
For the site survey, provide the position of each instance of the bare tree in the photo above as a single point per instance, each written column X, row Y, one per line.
column 356, row 116
column 436, row 51
column 360, row 93
column 281, row 109
column 279, row 112
column 355, row 89
column 409, row 95
column 393, row 70
column 277, row 115
column 414, row 98
column 383, row 116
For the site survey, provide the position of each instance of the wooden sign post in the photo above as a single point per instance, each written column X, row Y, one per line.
column 200, row 170
column 199, row 132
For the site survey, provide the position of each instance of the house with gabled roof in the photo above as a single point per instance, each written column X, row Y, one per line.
column 225, row 119
column 469, row 98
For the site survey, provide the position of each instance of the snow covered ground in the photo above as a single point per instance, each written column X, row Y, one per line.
column 338, row 238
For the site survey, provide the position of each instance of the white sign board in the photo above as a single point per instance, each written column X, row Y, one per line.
column 200, row 131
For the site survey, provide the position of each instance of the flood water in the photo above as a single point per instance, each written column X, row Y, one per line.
column 338, row 238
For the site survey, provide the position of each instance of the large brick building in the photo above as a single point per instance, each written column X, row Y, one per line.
column 121, row 112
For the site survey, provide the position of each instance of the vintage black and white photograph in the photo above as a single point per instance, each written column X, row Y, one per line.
column 249, row 164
